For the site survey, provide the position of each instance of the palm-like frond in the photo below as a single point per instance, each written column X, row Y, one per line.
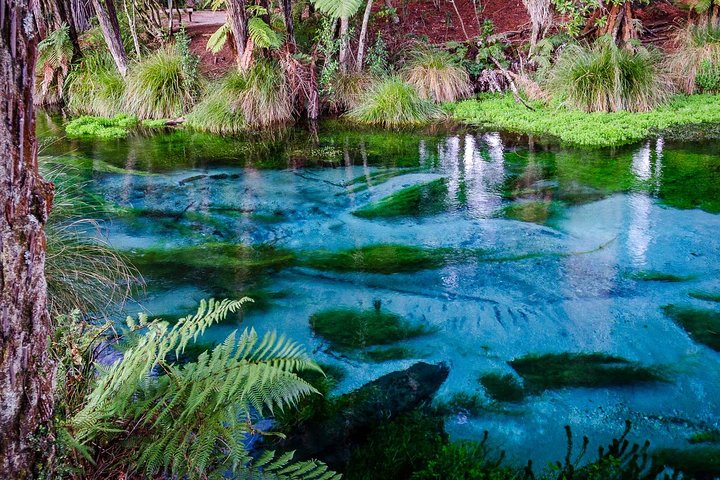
column 262, row 34
column 218, row 39
column 338, row 8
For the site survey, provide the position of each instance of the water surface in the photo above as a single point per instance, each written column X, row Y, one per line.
column 553, row 251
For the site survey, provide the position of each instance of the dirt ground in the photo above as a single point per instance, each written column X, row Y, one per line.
column 437, row 21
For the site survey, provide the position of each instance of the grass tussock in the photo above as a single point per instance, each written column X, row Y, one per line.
column 350, row 329
column 383, row 259
column 695, row 66
column 553, row 371
column 436, row 76
column 703, row 325
column 215, row 112
column 347, row 89
column 392, row 103
column 503, row 388
column 607, row 78
column 424, row 199
column 159, row 86
column 94, row 87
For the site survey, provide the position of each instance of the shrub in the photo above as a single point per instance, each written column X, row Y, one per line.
column 436, row 76
column 696, row 63
column 160, row 86
column 393, row 103
column 606, row 78
column 95, row 87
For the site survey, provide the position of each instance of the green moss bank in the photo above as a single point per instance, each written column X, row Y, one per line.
column 575, row 127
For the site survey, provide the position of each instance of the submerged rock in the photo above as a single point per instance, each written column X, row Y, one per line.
column 351, row 418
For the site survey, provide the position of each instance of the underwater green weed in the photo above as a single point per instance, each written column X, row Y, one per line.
column 503, row 388
column 703, row 325
column 707, row 296
column 655, row 276
column 417, row 200
column 350, row 329
column 559, row 370
column 384, row 259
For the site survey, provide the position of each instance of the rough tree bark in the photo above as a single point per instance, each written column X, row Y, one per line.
column 237, row 18
column 363, row 36
column 108, row 20
column 289, row 27
column 26, row 370
column 343, row 54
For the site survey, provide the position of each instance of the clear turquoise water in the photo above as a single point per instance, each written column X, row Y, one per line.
column 571, row 227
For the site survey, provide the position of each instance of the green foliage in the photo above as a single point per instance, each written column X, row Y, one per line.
column 262, row 34
column 94, row 86
column 377, row 61
column 503, row 388
column 703, row 325
column 385, row 259
column 655, row 276
column 436, row 76
column 607, row 78
column 393, row 103
column 217, row 40
column 574, row 14
column 162, row 85
column 417, row 200
column 707, row 296
column 101, row 127
column 346, row 89
column 560, row 370
column 587, row 129
column 350, row 329
column 485, row 47
column 191, row 421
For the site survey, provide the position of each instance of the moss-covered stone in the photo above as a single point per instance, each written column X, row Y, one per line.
column 350, row 329
column 701, row 324
column 559, row 370
column 415, row 201
column 377, row 259
column 503, row 388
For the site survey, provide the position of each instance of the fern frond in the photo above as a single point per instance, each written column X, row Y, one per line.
column 338, row 8
column 262, row 34
column 217, row 40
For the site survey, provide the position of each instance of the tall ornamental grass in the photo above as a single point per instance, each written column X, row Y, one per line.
column 94, row 87
column 392, row 103
column 606, row 78
column 695, row 66
column 436, row 76
column 159, row 86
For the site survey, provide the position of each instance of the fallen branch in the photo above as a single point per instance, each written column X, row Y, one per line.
column 510, row 80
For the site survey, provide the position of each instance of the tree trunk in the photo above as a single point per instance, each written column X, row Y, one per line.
column 107, row 17
column 26, row 369
column 290, row 28
column 237, row 18
column 363, row 36
column 344, row 43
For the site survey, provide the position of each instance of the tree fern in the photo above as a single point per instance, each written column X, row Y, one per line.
column 191, row 420
column 338, row 8
column 262, row 34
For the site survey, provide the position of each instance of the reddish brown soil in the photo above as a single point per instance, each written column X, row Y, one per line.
column 437, row 22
